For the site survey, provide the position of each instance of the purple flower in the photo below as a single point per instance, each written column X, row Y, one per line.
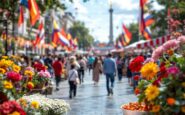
column 157, row 53
column 173, row 70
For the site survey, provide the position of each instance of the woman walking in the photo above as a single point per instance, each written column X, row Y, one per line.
column 72, row 77
column 97, row 70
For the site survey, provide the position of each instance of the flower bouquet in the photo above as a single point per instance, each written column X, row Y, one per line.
column 162, row 84
column 48, row 106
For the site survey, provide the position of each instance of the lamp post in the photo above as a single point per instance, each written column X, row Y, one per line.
column 111, row 24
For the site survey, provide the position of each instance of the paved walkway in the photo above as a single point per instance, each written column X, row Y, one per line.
column 93, row 100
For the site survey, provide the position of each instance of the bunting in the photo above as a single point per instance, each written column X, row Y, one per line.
column 34, row 11
column 40, row 34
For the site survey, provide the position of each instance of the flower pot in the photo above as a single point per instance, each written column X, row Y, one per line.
column 130, row 112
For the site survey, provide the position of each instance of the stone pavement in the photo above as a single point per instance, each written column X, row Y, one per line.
column 93, row 100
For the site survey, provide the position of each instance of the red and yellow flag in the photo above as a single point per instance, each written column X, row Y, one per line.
column 34, row 11
column 127, row 34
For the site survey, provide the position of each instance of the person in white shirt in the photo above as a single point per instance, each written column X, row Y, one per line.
column 72, row 78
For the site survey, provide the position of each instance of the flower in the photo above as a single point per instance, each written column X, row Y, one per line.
column 156, row 108
column 5, row 63
column 7, row 85
column 183, row 109
column 28, row 73
column 149, row 70
column 4, row 57
column 136, row 78
column 157, row 53
column 181, row 39
column 15, row 113
column 39, row 66
column 170, row 52
column 44, row 74
column 136, row 64
column 170, row 101
column 29, row 68
column 163, row 71
column 16, row 68
column 171, row 44
column 136, row 91
column 23, row 102
column 151, row 92
column 183, row 84
column 14, row 76
column 149, row 60
column 30, row 85
column 2, row 71
column 35, row 104
column 173, row 70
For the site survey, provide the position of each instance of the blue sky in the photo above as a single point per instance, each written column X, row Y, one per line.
column 96, row 16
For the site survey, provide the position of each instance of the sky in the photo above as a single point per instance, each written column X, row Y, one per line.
column 95, row 15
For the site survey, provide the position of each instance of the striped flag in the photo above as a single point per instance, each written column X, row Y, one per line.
column 127, row 34
column 34, row 11
column 148, row 19
column 40, row 34
column 147, row 34
column 21, row 21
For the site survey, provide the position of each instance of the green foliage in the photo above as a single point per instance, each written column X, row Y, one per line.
column 79, row 30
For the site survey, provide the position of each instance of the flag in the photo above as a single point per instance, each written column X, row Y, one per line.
column 69, row 37
column 122, row 40
column 24, row 3
column 21, row 21
column 75, row 43
column 34, row 11
column 148, row 20
column 127, row 34
column 59, row 36
column 40, row 34
column 147, row 34
column 118, row 44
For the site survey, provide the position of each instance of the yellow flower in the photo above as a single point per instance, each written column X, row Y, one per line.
column 5, row 63
column 183, row 109
column 7, row 85
column 156, row 108
column 15, row 113
column 35, row 104
column 149, row 70
column 28, row 73
column 2, row 71
column 183, row 84
column 151, row 92
column 4, row 57
column 16, row 68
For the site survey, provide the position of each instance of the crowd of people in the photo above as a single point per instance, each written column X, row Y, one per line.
column 73, row 68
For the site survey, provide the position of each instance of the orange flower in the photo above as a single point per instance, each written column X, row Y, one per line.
column 170, row 52
column 156, row 108
column 170, row 101
column 136, row 91
column 30, row 85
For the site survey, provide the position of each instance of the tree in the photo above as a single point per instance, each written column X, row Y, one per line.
column 78, row 30
column 161, row 23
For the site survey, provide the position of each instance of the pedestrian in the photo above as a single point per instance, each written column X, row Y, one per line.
column 73, row 81
column 119, row 68
column 57, row 66
column 109, row 69
column 90, row 63
column 81, row 70
column 97, row 70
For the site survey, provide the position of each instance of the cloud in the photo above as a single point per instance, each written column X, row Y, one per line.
column 126, row 4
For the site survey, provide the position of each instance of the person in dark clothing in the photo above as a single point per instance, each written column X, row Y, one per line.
column 48, row 62
column 119, row 68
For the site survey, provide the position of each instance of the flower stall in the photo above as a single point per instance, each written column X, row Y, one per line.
column 161, row 88
column 17, row 82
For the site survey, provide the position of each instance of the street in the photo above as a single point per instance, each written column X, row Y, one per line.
column 93, row 100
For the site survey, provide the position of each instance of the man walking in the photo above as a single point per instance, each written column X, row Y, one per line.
column 109, row 69
column 57, row 66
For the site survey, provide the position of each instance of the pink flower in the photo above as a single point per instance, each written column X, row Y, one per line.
column 30, row 69
column 181, row 39
column 13, row 76
column 171, row 44
column 173, row 70
column 157, row 53
column 44, row 74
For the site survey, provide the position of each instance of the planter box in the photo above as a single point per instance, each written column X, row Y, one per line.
column 129, row 112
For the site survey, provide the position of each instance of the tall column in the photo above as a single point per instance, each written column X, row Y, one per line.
column 111, row 25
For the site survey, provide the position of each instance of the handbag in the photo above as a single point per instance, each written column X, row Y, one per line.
column 77, row 81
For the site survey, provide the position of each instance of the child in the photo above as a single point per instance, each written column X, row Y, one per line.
column 72, row 77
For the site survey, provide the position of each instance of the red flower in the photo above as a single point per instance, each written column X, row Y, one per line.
column 136, row 64
column 14, row 76
column 136, row 91
column 157, row 81
column 39, row 66
column 9, row 107
column 163, row 71
column 136, row 78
